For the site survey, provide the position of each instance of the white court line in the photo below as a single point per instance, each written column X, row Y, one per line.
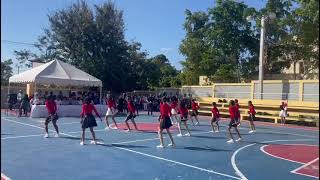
column 233, row 157
column 35, row 135
column 5, row 177
column 16, row 137
column 176, row 162
column 156, row 157
column 36, row 127
column 285, row 133
column 305, row 165
column 262, row 149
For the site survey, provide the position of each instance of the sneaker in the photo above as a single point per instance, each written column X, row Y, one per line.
column 197, row 123
column 187, row 134
column 107, row 128
column 56, row 135
column 179, row 135
column 46, row 135
column 113, row 127
column 216, row 131
column 81, row 143
column 230, row 141
column 238, row 139
column 238, row 124
column 250, row 131
column 93, row 142
column 160, row 146
column 171, row 145
column 128, row 130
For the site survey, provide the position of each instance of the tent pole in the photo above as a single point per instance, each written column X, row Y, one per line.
column 100, row 95
column 9, row 89
column 34, row 89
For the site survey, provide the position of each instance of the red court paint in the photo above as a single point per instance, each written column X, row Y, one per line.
column 307, row 155
column 310, row 169
column 153, row 127
column 4, row 177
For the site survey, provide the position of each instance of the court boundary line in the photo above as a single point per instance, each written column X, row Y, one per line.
column 39, row 127
column 264, row 151
column 303, row 166
column 233, row 157
column 5, row 177
column 149, row 155
column 176, row 162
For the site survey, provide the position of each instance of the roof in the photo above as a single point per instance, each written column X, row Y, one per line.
column 58, row 73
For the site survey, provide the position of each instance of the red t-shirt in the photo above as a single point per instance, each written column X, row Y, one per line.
column 87, row 109
column 252, row 110
column 131, row 107
column 174, row 104
column 237, row 112
column 183, row 111
column 194, row 106
column 165, row 110
column 232, row 112
column 111, row 103
column 51, row 107
column 215, row 112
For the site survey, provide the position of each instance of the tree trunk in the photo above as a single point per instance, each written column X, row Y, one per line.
column 294, row 70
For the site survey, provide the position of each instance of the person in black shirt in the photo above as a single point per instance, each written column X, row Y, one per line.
column 150, row 104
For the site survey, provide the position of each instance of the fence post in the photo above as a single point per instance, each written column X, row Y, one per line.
column 213, row 89
column 300, row 90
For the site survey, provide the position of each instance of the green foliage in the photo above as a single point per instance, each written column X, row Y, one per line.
column 218, row 37
column 23, row 56
column 6, row 71
column 167, row 72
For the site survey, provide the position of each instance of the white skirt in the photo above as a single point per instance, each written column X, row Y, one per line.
column 282, row 113
column 109, row 112
column 173, row 112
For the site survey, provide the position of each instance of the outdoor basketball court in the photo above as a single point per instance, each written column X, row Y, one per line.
column 273, row 152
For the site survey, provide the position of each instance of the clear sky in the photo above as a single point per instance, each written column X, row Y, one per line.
column 157, row 24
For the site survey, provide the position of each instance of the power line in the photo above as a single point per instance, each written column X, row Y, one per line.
column 16, row 42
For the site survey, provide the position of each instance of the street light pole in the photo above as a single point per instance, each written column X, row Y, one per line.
column 261, row 57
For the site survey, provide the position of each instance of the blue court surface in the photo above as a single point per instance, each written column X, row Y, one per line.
column 26, row 154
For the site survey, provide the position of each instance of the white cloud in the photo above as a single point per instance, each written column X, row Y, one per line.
column 166, row 50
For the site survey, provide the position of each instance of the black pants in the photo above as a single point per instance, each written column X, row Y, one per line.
column 150, row 108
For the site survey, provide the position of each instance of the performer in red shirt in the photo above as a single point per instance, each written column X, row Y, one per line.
column 215, row 117
column 52, row 111
column 88, row 120
column 165, row 122
column 238, row 117
column 111, row 112
column 131, row 114
column 174, row 109
column 252, row 113
column 233, row 123
column 184, row 117
column 195, row 107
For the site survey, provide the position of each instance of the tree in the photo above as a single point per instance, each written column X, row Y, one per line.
column 305, row 23
column 23, row 57
column 92, row 40
column 167, row 71
column 6, row 71
column 220, row 36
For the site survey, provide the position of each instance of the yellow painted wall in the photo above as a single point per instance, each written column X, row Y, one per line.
column 300, row 102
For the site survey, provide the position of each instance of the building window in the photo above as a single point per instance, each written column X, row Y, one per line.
column 301, row 68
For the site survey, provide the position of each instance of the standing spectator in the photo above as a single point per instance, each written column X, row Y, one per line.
column 283, row 113
column 150, row 104
column 24, row 105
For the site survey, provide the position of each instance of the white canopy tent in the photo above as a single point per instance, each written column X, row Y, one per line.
column 58, row 73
